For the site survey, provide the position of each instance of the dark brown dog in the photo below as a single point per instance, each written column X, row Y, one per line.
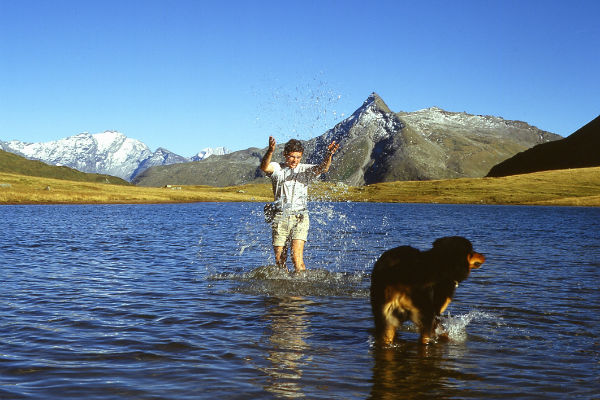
column 409, row 284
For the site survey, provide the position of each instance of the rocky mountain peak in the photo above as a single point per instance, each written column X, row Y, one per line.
column 163, row 151
column 379, row 145
column 376, row 145
column 375, row 115
column 373, row 104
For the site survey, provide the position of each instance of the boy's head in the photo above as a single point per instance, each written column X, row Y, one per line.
column 293, row 152
column 293, row 145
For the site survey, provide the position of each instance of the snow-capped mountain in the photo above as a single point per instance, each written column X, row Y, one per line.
column 376, row 145
column 110, row 153
column 205, row 153
column 159, row 157
column 379, row 145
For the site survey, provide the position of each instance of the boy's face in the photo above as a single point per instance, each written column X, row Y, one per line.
column 293, row 159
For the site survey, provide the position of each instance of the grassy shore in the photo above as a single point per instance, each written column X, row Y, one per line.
column 575, row 187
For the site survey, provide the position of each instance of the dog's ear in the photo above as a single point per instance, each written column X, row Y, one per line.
column 440, row 242
column 455, row 243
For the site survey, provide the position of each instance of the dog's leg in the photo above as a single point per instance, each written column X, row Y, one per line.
column 445, row 305
column 385, row 333
column 385, row 330
column 444, row 335
column 388, row 334
column 387, row 319
column 427, row 328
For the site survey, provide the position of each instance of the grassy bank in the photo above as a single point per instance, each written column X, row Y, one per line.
column 19, row 189
column 14, row 164
column 574, row 187
column 577, row 187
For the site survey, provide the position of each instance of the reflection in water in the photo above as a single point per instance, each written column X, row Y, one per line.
column 101, row 302
column 287, row 349
column 409, row 370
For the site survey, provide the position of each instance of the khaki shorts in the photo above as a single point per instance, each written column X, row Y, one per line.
column 294, row 227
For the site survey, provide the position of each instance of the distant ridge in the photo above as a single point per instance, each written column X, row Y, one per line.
column 378, row 145
column 14, row 164
column 579, row 150
column 109, row 152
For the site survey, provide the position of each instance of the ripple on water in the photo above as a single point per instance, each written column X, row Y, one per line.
column 107, row 302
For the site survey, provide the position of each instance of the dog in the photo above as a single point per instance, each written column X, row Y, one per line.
column 409, row 284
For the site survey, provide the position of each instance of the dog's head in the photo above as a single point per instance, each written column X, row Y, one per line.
column 459, row 255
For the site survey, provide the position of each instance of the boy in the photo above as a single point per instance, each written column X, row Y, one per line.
column 290, row 182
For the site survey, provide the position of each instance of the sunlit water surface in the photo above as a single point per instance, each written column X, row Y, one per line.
column 175, row 302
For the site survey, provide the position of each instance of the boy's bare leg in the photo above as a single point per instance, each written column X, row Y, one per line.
column 280, row 256
column 298, row 255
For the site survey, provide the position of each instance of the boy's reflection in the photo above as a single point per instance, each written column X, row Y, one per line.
column 288, row 353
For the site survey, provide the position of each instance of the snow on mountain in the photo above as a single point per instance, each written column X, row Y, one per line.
column 372, row 121
column 430, row 119
column 205, row 153
column 160, row 157
column 108, row 152
column 378, row 145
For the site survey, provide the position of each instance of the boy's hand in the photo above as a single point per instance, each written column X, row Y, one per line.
column 265, row 163
column 332, row 148
column 271, row 144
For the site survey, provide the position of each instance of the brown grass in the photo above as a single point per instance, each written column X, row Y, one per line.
column 34, row 190
column 575, row 187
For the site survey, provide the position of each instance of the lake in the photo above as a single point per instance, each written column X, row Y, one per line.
column 174, row 302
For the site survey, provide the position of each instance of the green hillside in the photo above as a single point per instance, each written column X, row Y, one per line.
column 581, row 149
column 13, row 164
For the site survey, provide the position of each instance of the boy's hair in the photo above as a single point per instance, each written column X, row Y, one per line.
column 293, row 145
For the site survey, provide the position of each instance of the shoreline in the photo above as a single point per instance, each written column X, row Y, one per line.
column 574, row 204
column 572, row 188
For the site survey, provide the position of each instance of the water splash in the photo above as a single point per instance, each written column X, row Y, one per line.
column 455, row 327
column 303, row 110
column 275, row 281
column 334, row 241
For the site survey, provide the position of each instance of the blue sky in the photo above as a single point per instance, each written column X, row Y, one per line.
column 185, row 75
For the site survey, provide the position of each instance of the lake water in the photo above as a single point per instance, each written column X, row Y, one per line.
column 169, row 302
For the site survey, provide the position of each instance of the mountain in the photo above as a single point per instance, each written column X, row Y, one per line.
column 15, row 164
column 578, row 150
column 230, row 169
column 205, row 153
column 378, row 145
column 159, row 157
column 109, row 153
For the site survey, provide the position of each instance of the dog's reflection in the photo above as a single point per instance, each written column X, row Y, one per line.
column 288, row 352
column 404, row 371
column 408, row 370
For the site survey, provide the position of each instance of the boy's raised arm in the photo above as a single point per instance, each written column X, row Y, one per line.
column 265, row 164
column 324, row 166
